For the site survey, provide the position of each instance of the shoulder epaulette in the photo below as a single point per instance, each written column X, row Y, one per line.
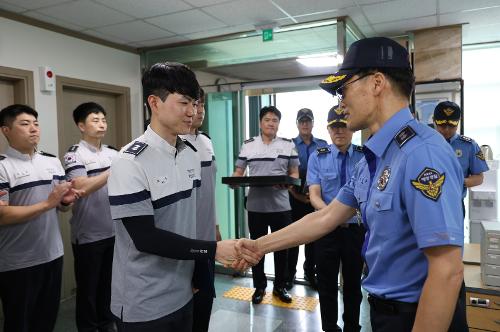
column 47, row 154
column 286, row 139
column 205, row 134
column 404, row 135
column 322, row 150
column 190, row 145
column 465, row 138
column 357, row 148
column 249, row 140
column 112, row 147
column 2, row 157
column 136, row 148
column 73, row 148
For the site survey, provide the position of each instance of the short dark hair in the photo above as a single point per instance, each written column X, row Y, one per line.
column 10, row 113
column 402, row 79
column 82, row 111
column 269, row 109
column 164, row 78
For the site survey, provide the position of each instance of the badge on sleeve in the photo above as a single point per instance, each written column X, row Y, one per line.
column 69, row 159
column 429, row 182
column 384, row 178
column 480, row 155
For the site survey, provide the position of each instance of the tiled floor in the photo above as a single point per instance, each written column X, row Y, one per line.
column 242, row 316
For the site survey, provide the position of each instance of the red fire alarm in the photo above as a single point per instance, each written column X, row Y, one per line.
column 47, row 79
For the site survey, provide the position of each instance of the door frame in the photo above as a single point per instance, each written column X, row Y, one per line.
column 24, row 85
column 121, row 93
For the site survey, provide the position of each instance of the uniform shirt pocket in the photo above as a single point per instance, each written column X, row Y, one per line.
column 381, row 201
column 329, row 180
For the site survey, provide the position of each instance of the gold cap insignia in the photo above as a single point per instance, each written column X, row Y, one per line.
column 429, row 182
column 339, row 110
column 448, row 111
column 333, row 78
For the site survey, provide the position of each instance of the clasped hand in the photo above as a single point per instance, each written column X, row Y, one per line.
column 238, row 254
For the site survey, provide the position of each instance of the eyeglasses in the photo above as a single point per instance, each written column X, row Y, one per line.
column 341, row 90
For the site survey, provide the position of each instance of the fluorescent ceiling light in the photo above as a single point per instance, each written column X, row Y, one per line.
column 321, row 60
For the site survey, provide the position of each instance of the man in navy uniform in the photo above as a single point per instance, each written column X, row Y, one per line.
column 447, row 116
column 306, row 145
column 407, row 187
column 329, row 169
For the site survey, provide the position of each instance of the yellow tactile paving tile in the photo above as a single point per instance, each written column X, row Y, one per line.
column 298, row 302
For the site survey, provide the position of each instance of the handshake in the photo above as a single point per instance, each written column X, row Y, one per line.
column 238, row 254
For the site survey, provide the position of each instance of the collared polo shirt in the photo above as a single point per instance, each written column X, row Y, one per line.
column 408, row 188
column 29, row 180
column 275, row 158
column 150, row 177
column 91, row 220
column 325, row 168
column 206, row 213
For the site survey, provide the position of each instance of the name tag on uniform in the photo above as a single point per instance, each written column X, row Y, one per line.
column 89, row 161
column 22, row 173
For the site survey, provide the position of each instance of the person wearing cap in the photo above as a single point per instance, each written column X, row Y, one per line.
column 306, row 145
column 471, row 158
column 329, row 169
column 268, row 207
column 407, row 188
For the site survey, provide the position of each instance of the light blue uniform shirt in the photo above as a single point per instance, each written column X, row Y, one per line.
column 305, row 151
column 411, row 202
column 469, row 156
column 325, row 167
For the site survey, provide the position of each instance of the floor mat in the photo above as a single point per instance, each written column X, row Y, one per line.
column 298, row 302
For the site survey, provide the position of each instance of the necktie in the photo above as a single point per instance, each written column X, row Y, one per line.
column 343, row 169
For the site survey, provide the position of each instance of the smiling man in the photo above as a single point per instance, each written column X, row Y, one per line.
column 407, row 188
column 154, row 187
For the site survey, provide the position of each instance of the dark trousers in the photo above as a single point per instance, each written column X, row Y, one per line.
column 299, row 210
column 389, row 316
column 203, row 300
column 258, row 224
column 31, row 297
column 93, row 266
column 342, row 245
column 178, row 321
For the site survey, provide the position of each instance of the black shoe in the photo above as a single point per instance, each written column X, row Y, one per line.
column 282, row 294
column 311, row 278
column 258, row 295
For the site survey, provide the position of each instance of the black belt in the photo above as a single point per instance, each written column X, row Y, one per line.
column 390, row 307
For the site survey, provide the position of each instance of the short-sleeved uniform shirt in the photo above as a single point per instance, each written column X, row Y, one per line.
column 91, row 220
column 275, row 158
column 408, row 188
column 326, row 167
column 305, row 151
column 469, row 156
column 149, row 177
column 206, row 214
column 27, row 181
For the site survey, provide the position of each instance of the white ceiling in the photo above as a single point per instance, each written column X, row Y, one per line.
column 146, row 23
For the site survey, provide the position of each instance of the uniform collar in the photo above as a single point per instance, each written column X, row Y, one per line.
column 335, row 150
column 298, row 140
column 89, row 146
column 272, row 141
column 16, row 154
column 453, row 138
column 157, row 141
column 379, row 142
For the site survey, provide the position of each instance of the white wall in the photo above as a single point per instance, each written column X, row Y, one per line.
column 26, row 47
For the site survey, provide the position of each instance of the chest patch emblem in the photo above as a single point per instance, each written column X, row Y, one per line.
column 384, row 178
column 458, row 152
column 429, row 182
